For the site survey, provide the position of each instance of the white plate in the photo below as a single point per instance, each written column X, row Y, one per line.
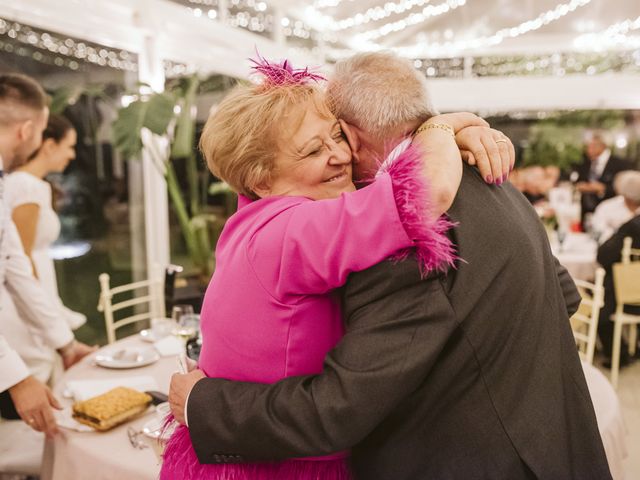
column 149, row 335
column 65, row 419
column 127, row 357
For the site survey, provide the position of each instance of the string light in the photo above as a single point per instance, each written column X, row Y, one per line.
column 614, row 35
column 326, row 3
column 381, row 12
column 47, row 47
column 555, row 64
column 378, row 13
column 450, row 48
column 261, row 23
column 255, row 5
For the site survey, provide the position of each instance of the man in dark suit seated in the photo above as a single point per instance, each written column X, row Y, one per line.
column 610, row 253
column 472, row 374
column 596, row 173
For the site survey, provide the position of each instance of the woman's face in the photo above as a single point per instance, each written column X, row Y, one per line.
column 315, row 162
column 60, row 154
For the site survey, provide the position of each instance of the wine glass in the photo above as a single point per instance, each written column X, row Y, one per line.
column 188, row 327
column 178, row 312
column 562, row 236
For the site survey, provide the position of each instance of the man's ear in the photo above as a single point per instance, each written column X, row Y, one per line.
column 26, row 129
column 353, row 139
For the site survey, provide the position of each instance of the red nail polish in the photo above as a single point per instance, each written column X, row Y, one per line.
column 488, row 179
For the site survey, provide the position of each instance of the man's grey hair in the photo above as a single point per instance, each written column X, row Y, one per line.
column 379, row 91
column 627, row 184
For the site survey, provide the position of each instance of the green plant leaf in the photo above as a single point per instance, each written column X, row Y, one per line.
column 126, row 128
column 159, row 113
column 185, row 126
column 154, row 113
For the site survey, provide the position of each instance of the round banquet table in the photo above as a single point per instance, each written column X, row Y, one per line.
column 105, row 455
column 578, row 255
column 109, row 455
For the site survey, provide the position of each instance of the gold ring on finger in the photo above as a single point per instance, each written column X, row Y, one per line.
column 501, row 140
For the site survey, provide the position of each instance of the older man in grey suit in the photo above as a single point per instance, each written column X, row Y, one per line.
column 472, row 374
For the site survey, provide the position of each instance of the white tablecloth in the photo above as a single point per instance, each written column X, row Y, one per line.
column 107, row 455
column 578, row 255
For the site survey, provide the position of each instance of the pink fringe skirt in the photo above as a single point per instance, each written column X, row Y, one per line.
column 181, row 463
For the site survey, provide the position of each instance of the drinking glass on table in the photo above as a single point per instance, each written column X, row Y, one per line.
column 188, row 326
column 562, row 235
column 187, row 323
column 179, row 310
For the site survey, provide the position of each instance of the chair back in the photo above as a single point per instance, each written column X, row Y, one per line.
column 629, row 254
column 584, row 322
column 152, row 296
column 626, row 282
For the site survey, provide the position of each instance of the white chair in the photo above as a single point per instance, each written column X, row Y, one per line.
column 153, row 298
column 626, row 283
column 585, row 321
column 628, row 255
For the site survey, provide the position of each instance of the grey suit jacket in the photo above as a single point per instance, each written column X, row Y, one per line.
column 469, row 375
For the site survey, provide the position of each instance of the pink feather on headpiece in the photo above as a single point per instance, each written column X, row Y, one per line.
column 281, row 74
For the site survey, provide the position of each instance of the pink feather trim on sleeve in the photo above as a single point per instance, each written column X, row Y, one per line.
column 434, row 250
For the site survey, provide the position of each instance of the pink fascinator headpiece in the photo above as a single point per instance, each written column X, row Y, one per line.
column 281, row 74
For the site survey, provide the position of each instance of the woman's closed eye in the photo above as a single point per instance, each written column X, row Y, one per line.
column 316, row 151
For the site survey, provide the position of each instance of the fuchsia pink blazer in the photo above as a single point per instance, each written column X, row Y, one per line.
column 271, row 310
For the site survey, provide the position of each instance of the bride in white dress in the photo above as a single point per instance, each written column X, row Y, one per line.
column 28, row 196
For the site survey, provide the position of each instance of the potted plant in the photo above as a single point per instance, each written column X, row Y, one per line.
column 165, row 124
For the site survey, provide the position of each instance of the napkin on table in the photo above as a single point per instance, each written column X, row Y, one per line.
column 169, row 346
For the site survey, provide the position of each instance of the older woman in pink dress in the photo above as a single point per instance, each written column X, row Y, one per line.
column 271, row 309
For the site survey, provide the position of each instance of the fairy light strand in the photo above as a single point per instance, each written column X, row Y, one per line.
column 450, row 48
column 373, row 14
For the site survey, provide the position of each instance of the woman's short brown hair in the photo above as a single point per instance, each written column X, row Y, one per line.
column 240, row 140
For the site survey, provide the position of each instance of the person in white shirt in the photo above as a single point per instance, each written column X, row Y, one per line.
column 23, row 117
column 28, row 197
column 611, row 214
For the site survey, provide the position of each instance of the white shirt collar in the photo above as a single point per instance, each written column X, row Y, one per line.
column 395, row 153
column 601, row 161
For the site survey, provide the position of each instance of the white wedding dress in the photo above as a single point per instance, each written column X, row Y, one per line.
column 22, row 188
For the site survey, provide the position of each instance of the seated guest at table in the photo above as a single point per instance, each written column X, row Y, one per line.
column 535, row 181
column 271, row 310
column 28, row 198
column 596, row 173
column 616, row 211
column 608, row 254
column 532, row 184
